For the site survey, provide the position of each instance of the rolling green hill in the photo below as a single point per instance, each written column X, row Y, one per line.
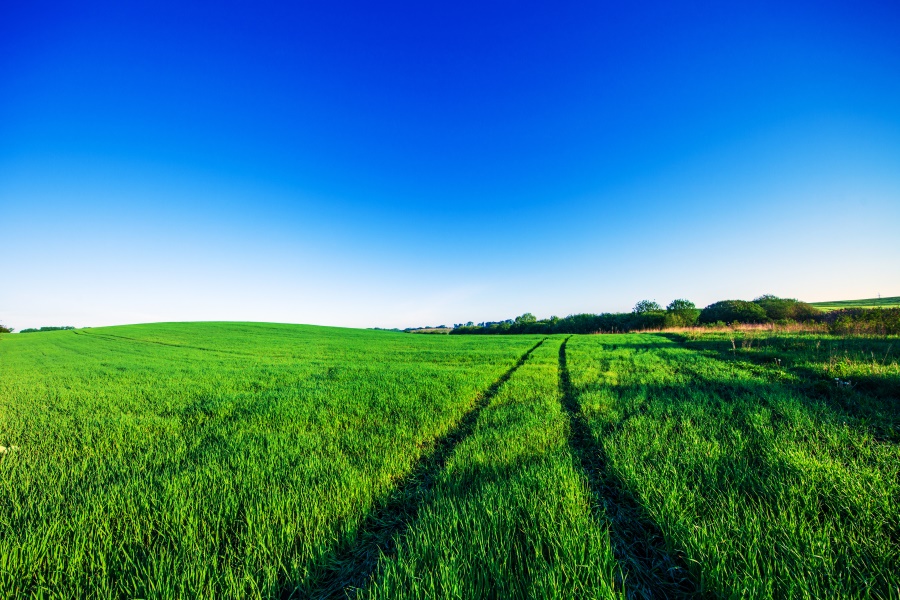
column 893, row 301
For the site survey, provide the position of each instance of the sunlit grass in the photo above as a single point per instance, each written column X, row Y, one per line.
column 770, row 493
column 858, row 375
column 212, row 460
column 255, row 461
column 511, row 515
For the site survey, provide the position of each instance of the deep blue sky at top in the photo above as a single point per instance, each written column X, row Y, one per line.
column 396, row 163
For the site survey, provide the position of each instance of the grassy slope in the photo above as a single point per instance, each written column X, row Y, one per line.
column 768, row 492
column 219, row 460
column 864, row 303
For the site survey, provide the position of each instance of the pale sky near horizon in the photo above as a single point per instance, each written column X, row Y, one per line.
column 402, row 165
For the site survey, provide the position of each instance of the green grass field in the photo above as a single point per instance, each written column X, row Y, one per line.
column 892, row 302
column 238, row 460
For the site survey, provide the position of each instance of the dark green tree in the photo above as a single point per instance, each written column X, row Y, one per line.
column 681, row 313
column 646, row 306
column 525, row 319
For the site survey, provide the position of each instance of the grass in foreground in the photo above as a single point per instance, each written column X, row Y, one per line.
column 767, row 492
column 511, row 515
column 218, row 460
column 252, row 460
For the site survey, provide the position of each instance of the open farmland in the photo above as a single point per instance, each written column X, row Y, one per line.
column 891, row 302
column 257, row 460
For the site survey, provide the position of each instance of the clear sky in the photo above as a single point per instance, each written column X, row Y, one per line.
column 399, row 164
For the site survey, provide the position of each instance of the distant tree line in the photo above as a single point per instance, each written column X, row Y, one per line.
column 440, row 329
column 33, row 330
column 647, row 314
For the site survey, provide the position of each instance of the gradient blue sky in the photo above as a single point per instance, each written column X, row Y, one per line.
column 398, row 164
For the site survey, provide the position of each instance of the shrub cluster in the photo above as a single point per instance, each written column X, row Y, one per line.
column 647, row 314
column 765, row 309
column 878, row 321
column 733, row 311
column 787, row 309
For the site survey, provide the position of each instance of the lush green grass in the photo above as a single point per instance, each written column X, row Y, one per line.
column 859, row 375
column 255, row 460
column 218, row 460
column 891, row 302
column 511, row 514
column 767, row 491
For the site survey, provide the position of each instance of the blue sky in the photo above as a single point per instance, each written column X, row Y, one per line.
column 400, row 164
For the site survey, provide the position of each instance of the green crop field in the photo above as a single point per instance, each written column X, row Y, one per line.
column 239, row 460
column 892, row 302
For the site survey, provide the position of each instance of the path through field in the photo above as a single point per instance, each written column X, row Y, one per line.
column 648, row 567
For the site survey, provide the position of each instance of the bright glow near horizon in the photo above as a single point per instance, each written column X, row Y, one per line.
column 407, row 165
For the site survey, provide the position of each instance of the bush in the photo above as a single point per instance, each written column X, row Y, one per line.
column 681, row 313
column 733, row 311
column 881, row 321
column 778, row 309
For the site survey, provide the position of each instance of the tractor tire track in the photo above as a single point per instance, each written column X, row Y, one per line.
column 353, row 566
column 649, row 570
column 118, row 338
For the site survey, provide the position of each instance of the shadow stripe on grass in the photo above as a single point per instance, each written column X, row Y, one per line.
column 650, row 571
column 354, row 565
column 873, row 410
column 109, row 337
